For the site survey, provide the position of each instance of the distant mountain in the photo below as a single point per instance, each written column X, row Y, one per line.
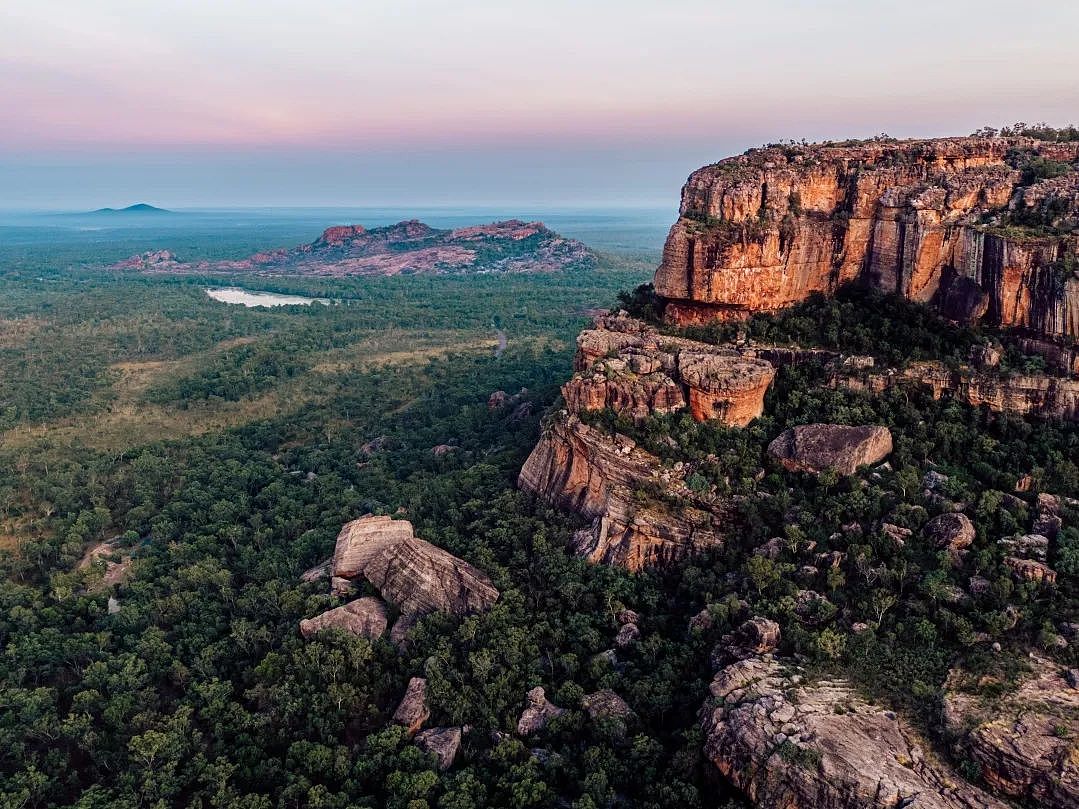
column 139, row 207
column 405, row 248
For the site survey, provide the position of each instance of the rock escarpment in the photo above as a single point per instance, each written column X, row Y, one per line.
column 1024, row 742
column 1023, row 394
column 789, row 743
column 364, row 616
column 581, row 469
column 627, row 366
column 963, row 224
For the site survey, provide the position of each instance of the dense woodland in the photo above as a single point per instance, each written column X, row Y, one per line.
column 199, row 690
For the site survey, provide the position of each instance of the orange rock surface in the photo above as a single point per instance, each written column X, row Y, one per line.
column 766, row 229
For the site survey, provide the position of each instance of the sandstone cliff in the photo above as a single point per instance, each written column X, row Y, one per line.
column 958, row 222
column 1025, row 741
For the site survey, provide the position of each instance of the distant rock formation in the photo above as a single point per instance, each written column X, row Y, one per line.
column 627, row 366
column 409, row 572
column 537, row 713
column 405, row 248
column 789, row 742
column 963, row 224
column 1024, row 742
column 816, row 447
column 579, row 468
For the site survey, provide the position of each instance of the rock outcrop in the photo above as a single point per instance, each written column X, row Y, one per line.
column 816, row 447
column 956, row 222
column 629, row 367
column 952, row 532
column 364, row 616
column 579, row 468
column 1024, row 742
column 788, row 743
column 405, row 248
column 606, row 704
column 409, row 572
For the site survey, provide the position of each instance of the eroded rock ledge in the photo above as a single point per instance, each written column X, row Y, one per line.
column 629, row 367
column 788, row 743
column 927, row 219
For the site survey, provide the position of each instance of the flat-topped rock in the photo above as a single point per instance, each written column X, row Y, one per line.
column 816, row 447
column 606, row 704
column 791, row 743
column 413, row 574
column 1024, row 741
column 365, row 617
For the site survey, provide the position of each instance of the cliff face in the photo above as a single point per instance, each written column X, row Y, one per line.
column 642, row 514
column 960, row 223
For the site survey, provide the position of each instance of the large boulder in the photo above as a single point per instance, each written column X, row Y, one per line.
column 442, row 743
column 364, row 616
column 413, row 574
column 790, row 743
column 606, row 704
column 816, row 447
column 952, row 531
column 413, row 710
column 1024, row 742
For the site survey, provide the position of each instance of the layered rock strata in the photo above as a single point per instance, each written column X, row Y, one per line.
column 790, row 743
column 642, row 514
column 1024, row 395
column 957, row 223
column 816, row 447
column 1024, row 742
column 629, row 367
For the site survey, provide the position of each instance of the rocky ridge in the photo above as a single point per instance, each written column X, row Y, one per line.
column 958, row 223
column 405, row 248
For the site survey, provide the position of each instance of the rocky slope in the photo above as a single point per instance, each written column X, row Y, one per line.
column 1024, row 742
column 961, row 223
column 792, row 743
column 405, row 248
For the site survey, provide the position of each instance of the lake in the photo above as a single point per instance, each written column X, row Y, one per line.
column 248, row 298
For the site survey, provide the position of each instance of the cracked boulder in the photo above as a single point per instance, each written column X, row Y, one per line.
column 790, row 743
column 413, row 574
column 413, row 711
column 442, row 743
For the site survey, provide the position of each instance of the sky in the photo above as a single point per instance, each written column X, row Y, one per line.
column 217, row 103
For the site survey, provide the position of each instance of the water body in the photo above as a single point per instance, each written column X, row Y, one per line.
column 248, row 298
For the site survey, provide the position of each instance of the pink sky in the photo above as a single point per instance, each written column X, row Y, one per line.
column 100, row 79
